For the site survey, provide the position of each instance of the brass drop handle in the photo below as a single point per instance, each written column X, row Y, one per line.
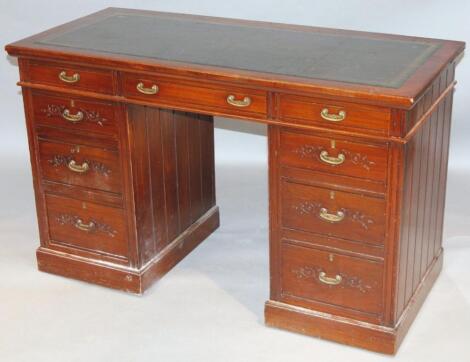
column 142, row 89
column 69, row 78
column 329, row 280
column 74, row 118
column 331, row 160
column 333, row 218
column 326, row 115
column 245, row 102
column 72, row 165
column 84, row 227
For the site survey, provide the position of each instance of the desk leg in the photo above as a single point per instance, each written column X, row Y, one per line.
column 293, row 300
column 169, row 199
column 318, row 287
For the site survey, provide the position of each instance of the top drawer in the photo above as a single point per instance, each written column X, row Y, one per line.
column 333, row 115
column 74, row 113
column 71, row 77
column 336, row 156
column 224, row 99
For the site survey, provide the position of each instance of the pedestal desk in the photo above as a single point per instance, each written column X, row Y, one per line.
column 119, row 110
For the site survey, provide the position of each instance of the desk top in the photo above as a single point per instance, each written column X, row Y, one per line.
column 283, row 55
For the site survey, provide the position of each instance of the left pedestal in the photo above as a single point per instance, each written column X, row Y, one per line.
column 122, row 192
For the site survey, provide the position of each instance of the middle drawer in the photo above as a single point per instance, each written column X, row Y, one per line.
column 335, row 213
column 224, row 99
column 80, row 165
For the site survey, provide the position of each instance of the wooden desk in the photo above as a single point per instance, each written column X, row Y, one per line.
column 119, row 108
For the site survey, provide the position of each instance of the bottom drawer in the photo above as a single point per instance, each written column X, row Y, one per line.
column 330, row 278
column 87, row 225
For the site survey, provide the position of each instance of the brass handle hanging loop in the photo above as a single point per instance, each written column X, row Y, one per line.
column 74, row 118
column 69, row 78
column 326, row 115
column 84, row 227
column 333, row 218
column 245, row 102
column 142, row 89
column 329, row 280
column 332, row 160
column 72, row 165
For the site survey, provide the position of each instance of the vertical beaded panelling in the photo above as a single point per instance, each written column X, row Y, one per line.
column 423, row 190
column 173, row 166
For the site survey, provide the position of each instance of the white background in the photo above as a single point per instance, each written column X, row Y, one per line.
column 210, row 307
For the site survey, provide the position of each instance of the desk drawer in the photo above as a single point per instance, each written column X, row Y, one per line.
column 87, row 226
column 335, row 213
column 71, row 77
column 334, row 156
column 224, row 99
column 80, row 165
column 311, row 275
column 74, row 114
column 334, row 115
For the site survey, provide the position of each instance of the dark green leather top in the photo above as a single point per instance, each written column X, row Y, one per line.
column 344, row 57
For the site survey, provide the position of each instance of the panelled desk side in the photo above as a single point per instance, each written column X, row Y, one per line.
column 122, row 155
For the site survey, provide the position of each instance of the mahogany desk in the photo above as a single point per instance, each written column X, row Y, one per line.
column 119, row 110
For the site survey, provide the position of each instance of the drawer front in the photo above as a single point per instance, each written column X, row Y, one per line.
column 334, row 156
column 331, row 278
column 334, row 213
column 87, row 225
column 72, row 77
column 333, row 115
column 212, row 97
column 80, row 165
column 74, row 114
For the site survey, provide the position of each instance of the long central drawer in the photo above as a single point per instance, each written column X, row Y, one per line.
column 225, row 99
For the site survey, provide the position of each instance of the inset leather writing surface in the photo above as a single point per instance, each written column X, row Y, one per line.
column 342, row 57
